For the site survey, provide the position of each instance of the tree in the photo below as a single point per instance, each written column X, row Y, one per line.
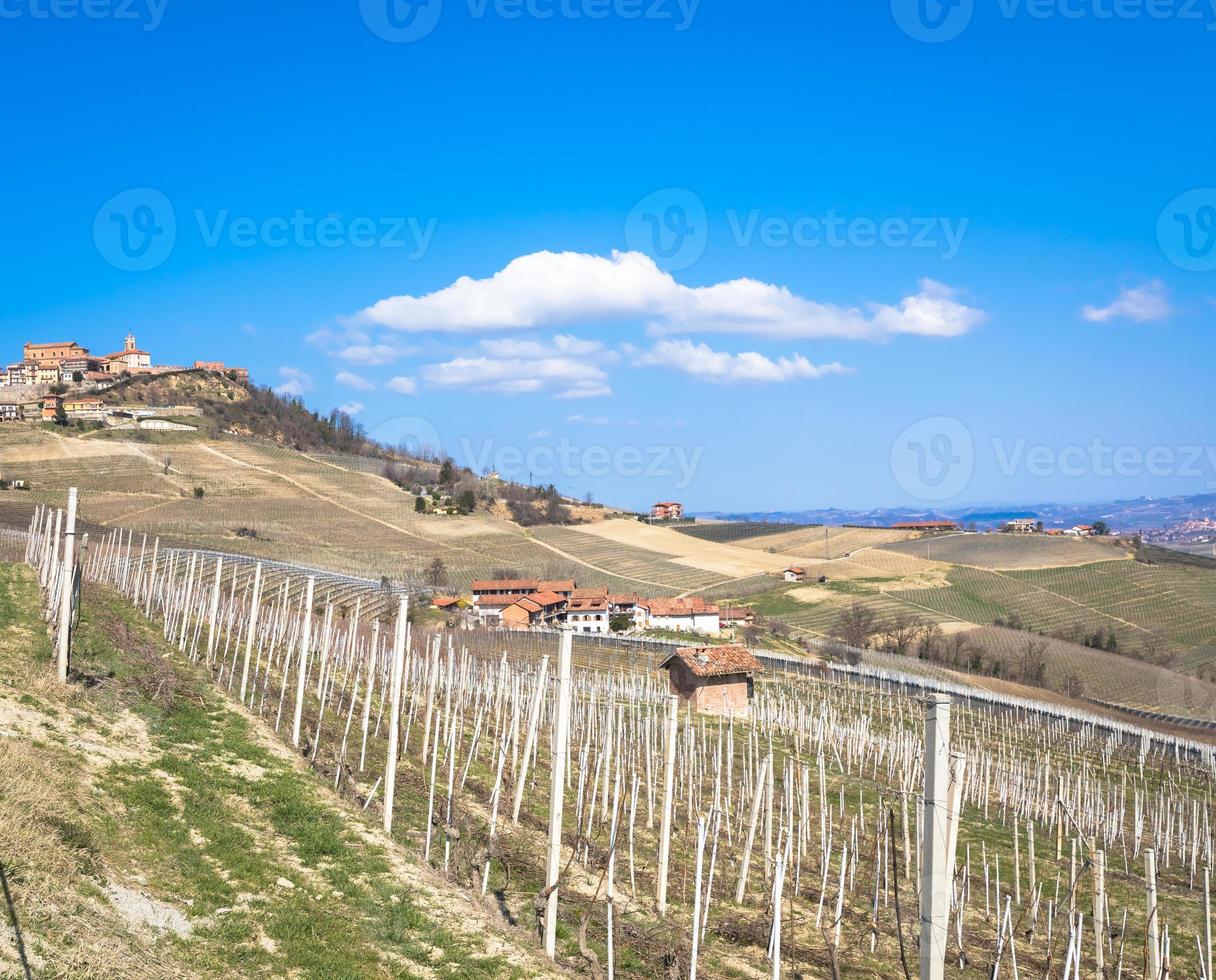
column 856, row 626
column 420, row 504
column 466, row 502
column 61, row 417
column 620, row 622
column 199, row 493
column 436, row 572
column 1101, row 529
column 930, row 641
column 900, row 631
column 447, row 473
column 1032, row 662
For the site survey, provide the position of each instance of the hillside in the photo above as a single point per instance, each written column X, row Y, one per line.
column 150, row 828
column 339, row 512
column 834, row 752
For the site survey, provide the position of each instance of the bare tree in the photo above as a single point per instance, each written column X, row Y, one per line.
column 900, row 631
column 856, row 626
column 436, row 572
column 1032, row 662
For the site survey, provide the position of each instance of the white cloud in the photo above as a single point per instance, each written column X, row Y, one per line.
column 352, row 344
column 373, row 354
column 403, row 385
column 540, row 434
column 701, row 361
column 295, row 382
column 567, row 366
column 351, row 408
column 352, row 380
column 1140, row 305
column 555, row 288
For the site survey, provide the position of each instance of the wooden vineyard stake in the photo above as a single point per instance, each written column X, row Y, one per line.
column 557, row 790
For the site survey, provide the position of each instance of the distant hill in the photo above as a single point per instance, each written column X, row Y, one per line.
column 1141, row 514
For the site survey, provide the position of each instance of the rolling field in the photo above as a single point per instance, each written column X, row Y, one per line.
column 1010, row 551
column 826, row 542
column 642, row 567
column 734, row 532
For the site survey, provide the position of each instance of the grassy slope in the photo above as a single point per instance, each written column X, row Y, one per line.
column 140, row 776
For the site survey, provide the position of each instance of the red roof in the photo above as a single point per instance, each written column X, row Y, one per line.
column 506, row 585
column 694, row 605
column 736, row 612
column 589, row 604
column 498, row 600
column 556, row 585
column 593, row 592
column 444, row 601
column 625, row 599
column 546, row 599
column 715, row 661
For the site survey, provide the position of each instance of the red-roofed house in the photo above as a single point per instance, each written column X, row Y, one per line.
column 691, row 615
column 794, row 574
column 588, row 614
column 667, row 510
column 716, row 680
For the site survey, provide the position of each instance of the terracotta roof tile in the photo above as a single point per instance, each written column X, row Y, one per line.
column 715, row 661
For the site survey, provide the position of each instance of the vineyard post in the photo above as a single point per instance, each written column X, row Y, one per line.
column 1207, row 922
column 394, row 715
column 934, row 890
column 213, row 612
column 557, row 791
column 1152, row 939
column 64, row 638
column 302, row 661
column 1099, row 920
column 253, row 625
column 669, row 777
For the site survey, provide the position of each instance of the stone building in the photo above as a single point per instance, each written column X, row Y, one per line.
column 717, row 680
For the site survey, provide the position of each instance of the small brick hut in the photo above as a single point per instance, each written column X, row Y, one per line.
column 718, row 680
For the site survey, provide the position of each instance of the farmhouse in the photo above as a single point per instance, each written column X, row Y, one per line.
column 716, row 680
column 925, row 526
column 1022, row 525
column 667, row 510
column 588, row 614
column 537, row 609
column 50, row 407
column 736, row 615
column 794, row 573
column 11, row 412
column 691, row 615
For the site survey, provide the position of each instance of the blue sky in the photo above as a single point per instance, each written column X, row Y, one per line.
column 299, row 195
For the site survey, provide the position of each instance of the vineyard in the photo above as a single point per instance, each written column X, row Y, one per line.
column 1011, row 551
column 733, row 532
column 823, row 834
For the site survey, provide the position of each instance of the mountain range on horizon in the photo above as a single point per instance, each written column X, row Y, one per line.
column 1146, row 514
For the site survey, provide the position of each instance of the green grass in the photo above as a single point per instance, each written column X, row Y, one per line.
column 211, row 819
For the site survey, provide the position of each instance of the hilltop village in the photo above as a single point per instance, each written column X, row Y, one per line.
column 62, row 380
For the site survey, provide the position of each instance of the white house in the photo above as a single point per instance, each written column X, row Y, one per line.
column 692, row 615
column 588, row 614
